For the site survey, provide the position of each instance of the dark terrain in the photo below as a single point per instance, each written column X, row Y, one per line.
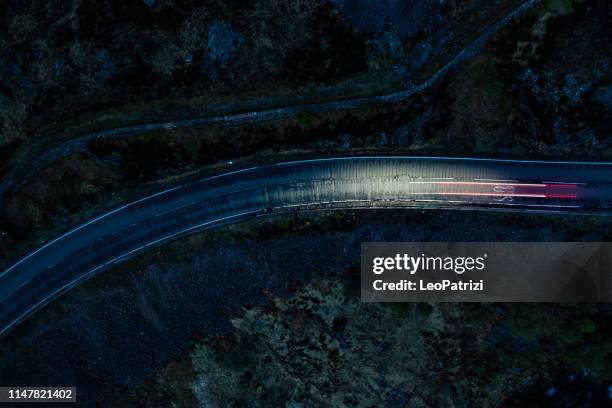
column 157, row 329
column 267, row 313
column 540, row 88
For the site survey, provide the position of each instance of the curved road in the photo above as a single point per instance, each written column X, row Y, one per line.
column 348, row 182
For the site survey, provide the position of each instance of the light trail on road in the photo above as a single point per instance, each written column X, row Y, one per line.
column 332, row 183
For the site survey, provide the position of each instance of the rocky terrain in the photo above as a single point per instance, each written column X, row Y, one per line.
column 540, row 87
column 229, row 317
column 247, row 314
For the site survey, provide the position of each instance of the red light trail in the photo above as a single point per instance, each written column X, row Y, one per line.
column 509, row 189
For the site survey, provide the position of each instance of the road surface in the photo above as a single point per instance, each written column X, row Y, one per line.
column 349, row 182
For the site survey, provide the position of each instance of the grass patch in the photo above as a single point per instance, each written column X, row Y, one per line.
column 485, row 79
column 306, row 118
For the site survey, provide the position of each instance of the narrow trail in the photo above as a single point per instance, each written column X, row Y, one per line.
column 17, row 177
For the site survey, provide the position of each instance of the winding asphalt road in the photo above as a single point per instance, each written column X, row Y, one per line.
column 335, row 183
